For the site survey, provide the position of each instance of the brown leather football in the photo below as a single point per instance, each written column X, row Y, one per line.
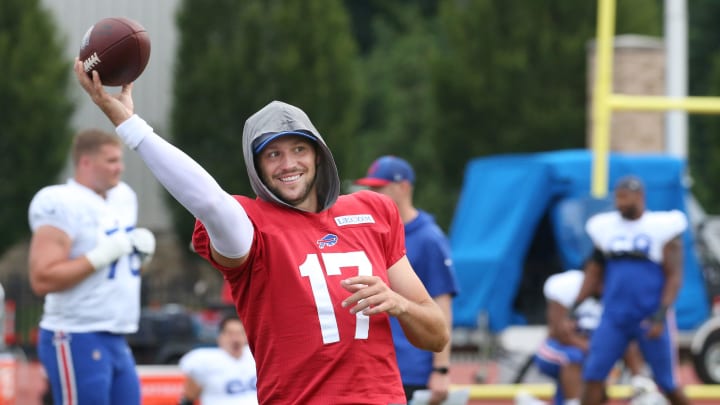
column 118, row 48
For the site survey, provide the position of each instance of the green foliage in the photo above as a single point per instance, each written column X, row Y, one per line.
column 704, row 80
column 643, row 17
column 34, row 110
column 445, row 81
column 453, row 80
column 704, row 146
column 364, row 15
column 512, row 76
column 235, row 57
column 399, row 110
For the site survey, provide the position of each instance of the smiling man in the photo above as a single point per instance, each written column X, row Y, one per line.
column 314, row 276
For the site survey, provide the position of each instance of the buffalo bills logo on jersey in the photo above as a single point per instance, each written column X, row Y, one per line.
column 327, row 240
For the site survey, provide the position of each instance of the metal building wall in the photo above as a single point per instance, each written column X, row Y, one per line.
column 152, row 92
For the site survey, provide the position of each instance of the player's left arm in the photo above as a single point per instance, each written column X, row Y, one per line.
column 439, row 383
column 672, row 266
column 420, row 316
column 190, row 392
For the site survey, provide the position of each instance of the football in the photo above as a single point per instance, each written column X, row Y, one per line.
column 118, row 48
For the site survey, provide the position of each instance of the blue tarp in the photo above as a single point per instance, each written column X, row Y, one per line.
column 502, row 202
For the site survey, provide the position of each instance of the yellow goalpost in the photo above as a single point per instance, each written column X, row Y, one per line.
column 605, row 101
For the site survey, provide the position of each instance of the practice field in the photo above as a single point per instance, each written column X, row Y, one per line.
column 162, row 386
column 463, row 375
column 503, row 394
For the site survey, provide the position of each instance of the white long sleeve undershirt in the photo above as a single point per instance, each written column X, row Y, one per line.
column 227, row 223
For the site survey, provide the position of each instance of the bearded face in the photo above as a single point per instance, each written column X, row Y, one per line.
column 629, row 203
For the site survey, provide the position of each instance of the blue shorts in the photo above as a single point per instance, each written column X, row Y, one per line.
column 610, row 340
column 553, row 355
column 550, row 359
column 89, row 368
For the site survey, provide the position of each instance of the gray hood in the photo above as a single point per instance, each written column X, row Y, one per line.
column 280, row 117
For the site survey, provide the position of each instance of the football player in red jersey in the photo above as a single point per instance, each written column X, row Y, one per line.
column 314, row 275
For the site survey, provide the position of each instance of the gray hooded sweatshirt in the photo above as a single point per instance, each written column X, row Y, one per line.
column 278, row 117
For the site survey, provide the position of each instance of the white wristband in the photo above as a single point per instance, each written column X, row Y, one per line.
column 133, row 130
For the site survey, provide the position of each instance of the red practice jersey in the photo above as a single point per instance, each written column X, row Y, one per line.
column 308, row 348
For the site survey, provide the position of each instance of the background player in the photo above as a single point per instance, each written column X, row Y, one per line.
column 82, row 260
column 222, row 375
column 429, row 253
column 562, row 354
column 310, row 271
column 638, row 258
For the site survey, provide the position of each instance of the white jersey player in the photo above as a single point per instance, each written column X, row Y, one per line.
column 85, row 258
column 223, row 375
column 85, row 216
column 638, row 258
column 561, row 355
column 564, row 288
column 570, row 326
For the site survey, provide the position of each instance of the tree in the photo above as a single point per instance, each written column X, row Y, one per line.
column 452, row 80
column 366, row 14
column 704, row 80
column 399, row 113
column 235, row 57
column 35, row 110
column 512, row 76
